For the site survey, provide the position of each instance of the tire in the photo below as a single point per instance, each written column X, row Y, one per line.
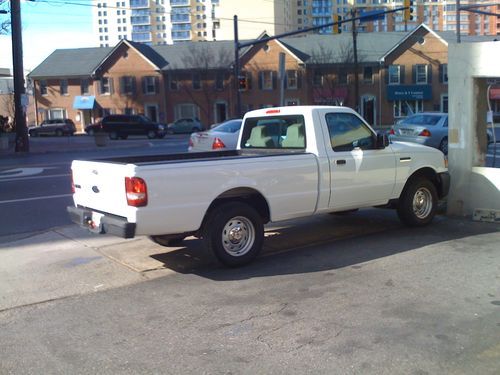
column 443, row 146
column 234, row 233
column 418, row 203
column 168, row 240
column 123, row 136
column 91, row 132
column 113, row 135
column 151, row 134
column 59, row 133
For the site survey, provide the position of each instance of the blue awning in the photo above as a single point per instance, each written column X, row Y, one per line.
column 84, row 102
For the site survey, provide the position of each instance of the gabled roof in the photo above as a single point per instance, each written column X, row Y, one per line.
column 78, row 62
column 328, row 48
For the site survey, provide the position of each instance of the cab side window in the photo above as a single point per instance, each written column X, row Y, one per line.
column 348, row 132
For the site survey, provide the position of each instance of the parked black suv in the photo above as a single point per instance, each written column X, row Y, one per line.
column 57, row 127
column 121, row 126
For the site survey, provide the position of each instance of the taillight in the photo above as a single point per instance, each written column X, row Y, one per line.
column 425, row 133
column 218, row 144
column 392, row 132
column 137, row 192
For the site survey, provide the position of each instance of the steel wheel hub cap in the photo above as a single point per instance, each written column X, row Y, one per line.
column 422, row 203
column 238, row 236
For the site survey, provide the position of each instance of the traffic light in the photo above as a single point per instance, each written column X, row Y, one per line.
column 337, row 29
column 242, row 83
column 408, row 12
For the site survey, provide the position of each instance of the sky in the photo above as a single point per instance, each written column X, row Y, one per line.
column 48, row 25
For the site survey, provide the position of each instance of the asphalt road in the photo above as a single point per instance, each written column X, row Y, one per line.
column 36, row 188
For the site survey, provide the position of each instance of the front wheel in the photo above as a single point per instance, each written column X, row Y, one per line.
column 234, row 233
column 59, row 133
column 151, row 134
column 417, row 203
column 113, row 135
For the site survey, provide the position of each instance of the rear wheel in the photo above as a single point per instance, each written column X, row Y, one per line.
column 418, row 202
column 443, row 146
column 151, row 134
column 113, row 135
column 59, row 133
column 234, row 233
column 91, row 132
column 123, row 136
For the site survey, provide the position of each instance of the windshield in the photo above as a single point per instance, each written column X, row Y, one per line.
column 228, row 127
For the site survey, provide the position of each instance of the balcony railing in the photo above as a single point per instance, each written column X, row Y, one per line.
column 139, row 4
column 176, row 3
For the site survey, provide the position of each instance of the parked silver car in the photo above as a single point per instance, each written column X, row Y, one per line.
column 221, row 137
column 426, row 128
column 184, row 125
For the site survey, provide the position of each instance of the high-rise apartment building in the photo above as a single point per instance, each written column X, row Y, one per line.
column 438, row 15
column 169, row 21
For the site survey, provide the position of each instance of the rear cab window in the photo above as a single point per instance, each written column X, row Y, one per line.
column 274, row 132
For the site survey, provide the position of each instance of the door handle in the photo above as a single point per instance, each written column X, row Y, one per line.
column 340, row 162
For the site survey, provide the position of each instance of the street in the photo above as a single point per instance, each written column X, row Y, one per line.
column 331, row 294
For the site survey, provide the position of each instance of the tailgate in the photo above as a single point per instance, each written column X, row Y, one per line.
column 101, row 186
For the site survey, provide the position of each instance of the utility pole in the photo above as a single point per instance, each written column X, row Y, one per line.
column 237, row 67
column 22, row 141
column 355, row 53
column 458, row 20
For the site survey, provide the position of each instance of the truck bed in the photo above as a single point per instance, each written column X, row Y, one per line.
column 196, row 156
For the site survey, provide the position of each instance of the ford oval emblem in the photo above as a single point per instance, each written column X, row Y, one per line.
column 94, row 171
column 95, row 189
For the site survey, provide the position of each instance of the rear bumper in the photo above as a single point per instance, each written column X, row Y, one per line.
column 101, row 223
column 444, row 184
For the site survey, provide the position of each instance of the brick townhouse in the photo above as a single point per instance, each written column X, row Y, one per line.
column 398, row 73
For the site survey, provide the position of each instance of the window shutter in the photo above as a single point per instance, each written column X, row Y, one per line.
column 414, row 73
column 111, row 89
column 157, row 85
column 275, row 79
column 122, row 85
column 299, row 79
column 132, row 84
column 98, row 88
column 429, row 73
column 401, row 74
column 286, row 79
column 143, row 85
column 440, row 73
column 386, row 72
column 260, row 80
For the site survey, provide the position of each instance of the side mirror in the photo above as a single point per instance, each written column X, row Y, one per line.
column 382, row 141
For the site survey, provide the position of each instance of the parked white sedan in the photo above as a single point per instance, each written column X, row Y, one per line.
column 221, row 137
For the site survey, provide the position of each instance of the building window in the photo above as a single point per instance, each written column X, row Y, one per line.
column 105, row 84
column 149, row 85
column 56, row 113
column 291, row 79
column 173, row 82
column 127, row 85
column 318, row 78
column 403, row 108
column 444, row 103
column 266, row 80
column 63, row 85
column 196, row 81
column 443, row 73
column 368, row 75
column 186, row 110
column 43, row 87
column 84, row 86
column 421, row 74
column 219, row 81
column 394, row 74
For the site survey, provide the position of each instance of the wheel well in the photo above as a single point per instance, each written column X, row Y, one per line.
column 431, row 175
column 245, row 195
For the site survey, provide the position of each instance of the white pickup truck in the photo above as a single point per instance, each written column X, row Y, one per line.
column 290, row 162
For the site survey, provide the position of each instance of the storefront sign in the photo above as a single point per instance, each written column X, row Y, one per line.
column 409, row 92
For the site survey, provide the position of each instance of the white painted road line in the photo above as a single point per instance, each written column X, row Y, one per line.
column 33, row 178
column 36, row 198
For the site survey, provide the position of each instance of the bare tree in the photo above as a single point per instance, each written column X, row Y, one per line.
column 330, row 73
column 4, row 22
column 203, row 69
column 7, row 110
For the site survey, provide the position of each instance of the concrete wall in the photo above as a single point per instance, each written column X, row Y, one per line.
column 473, row 187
